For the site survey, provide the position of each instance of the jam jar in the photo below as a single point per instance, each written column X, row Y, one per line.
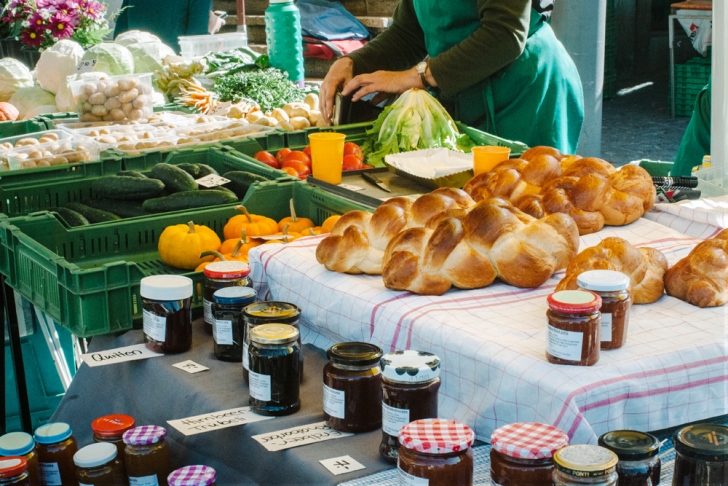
column 228, row 331
column 111, row 428
column 269, row 313
column 220, row 275
column 55, row 446
column 585, row 464
column 353, row 387
column 193, row 476
column 14, row 470
column 639, row 462
column 23, row 445
column 435, row 452
column 701, row 455
column 523, row 452
column 410, row 382
column 167, row 301
column 98, row 465
column 146, row 456
column 274, row 369
column 574, row 328
column 613, row 288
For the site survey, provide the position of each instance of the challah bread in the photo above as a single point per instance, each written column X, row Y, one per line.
column 701, row 278
column 645, row 267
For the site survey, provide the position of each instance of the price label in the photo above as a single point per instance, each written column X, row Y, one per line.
column 342, row 465
column 212, row 180
column 190, row 366
column 221, row 109
column 351, row 188
column 86, row 66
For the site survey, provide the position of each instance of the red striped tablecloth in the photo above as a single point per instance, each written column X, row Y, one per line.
column 673, row 370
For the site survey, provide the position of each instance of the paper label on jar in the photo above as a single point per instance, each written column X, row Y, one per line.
column 222, row 332
column 209, row 318
column 144, row 481
column 50, row 474
column 406, row 479
column 564, row 344
column 606, row 327
column 154, row 326
column 394, row 419
column 334, row 402
column 246, row 358
column 259, row 386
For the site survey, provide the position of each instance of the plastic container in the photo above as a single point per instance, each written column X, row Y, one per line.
column 712, row 182
column 117, row 98
column 283, row 36
column 167, row 315
column 200, row 45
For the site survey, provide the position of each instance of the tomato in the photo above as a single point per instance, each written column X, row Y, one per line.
column 291, row 171
column 298, row 156
column 268, row 159
column 302, row 169
column 350, row 148
column 282, row 154
column 351, row 162
column 307, row 151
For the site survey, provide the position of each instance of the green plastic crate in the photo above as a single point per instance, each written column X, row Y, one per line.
column 483, row 138
column 14, row 128
column 657, row 168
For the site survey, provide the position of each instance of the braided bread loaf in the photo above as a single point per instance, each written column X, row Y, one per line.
column 701, row 278
column 645, row 267
column 493, row 239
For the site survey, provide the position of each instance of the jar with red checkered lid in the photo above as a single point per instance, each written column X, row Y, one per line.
column 193, row 476
column 435, row 452
column 523, row 453
column 146, row 456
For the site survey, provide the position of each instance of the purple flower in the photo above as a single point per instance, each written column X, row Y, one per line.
column 93, row 10
column 32, row 39
column 37, row 22
column 61, row 26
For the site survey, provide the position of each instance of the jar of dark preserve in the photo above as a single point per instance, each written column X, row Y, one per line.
column 56, row 446
column 193, row 476
column 613, row 288
column 23, row 445
column 585, row 465
column 14, row 470
column 274, row 369
column 111, row 428
column 167, row 301
column 98, row 465
column 523, row 452
column 269, row 313
column 574, row 328
column 701, row 455
column 410, row 382
column 353, row 387
column 639, row 462
column 228, row 329
column 146, row 455
column 435, row 452
column 220, row 275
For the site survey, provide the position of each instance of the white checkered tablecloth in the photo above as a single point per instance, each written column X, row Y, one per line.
column 701, row 218
column 673, row 369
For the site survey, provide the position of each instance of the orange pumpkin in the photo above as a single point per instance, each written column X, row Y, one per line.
column 253, row 224
column 228, row 246
column 312, row 231
column 8, row 112
column 297, row 225
column 286, row 237
column 328, row 225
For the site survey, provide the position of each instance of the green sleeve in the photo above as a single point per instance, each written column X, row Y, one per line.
column 198, row 16
column 499, row 40
column 399, row 47
column 696, row 141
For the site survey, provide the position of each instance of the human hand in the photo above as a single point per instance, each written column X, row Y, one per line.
column 338, row 76
column 215, row 23
column 390, row 82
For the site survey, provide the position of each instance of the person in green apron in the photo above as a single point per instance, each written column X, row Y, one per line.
column 696, row 141
column 494, row 64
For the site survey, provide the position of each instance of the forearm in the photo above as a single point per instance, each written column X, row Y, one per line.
column 198, row 17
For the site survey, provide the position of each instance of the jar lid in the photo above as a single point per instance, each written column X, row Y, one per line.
column 410, row 366
column 603, row 281
column 12, row 466
column 436, row 436
column 354, row 354
column 234, row 295
column 52, row 433
column 585, row 461
column 145, row 435
column 192, row 476
column 708, row 442
column 265, row 312
column 16, row 444
column 112, row 425
column 528, row 440
column 166, row 287
column 95, row 455
column 631, row 445
column 227, row 270
column 273, row 334
column 574, row 302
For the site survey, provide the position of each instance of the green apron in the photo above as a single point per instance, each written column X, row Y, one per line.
column 696, row 141
column 537, row 99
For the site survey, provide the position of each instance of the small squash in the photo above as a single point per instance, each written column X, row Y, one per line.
column 228, row 246
column 328, row 225
column 297, row 225
column 180, row 245
column 312, row 231
column 286, row 237
column 8, row 112
column 253, row 224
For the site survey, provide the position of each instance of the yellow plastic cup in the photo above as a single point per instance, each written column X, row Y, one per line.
column 485, row 158
column 327, row 156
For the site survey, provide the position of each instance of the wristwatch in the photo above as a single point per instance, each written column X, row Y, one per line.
column 422, row 71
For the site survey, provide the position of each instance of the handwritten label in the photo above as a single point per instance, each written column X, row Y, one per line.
column 190, row 366
column 212, row 180
column 350, row 187
column 86, row 66
column 342, row 465
column 119, row 355
column 298, row 436
column 221, row 109
column 216, row 420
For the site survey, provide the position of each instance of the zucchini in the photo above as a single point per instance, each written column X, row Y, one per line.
column 92, row 214
column 127, row 188
column 240, row 181
column 174, row 178
column 71, row 217
column 205, row 170
column 123, row 209
column 191, row 169
column 188, row 200
column 131, row 173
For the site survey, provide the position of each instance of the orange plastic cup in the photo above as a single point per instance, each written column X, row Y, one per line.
column 327, row 156
column 485, row 158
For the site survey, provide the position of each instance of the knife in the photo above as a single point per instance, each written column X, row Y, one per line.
column 377, row 182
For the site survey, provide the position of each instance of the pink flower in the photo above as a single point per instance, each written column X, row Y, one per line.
column 94, row 10
column 37, row 22
column 32, row 39
column 61, row 26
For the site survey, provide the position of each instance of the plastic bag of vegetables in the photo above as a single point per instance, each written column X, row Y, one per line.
column 64, row 97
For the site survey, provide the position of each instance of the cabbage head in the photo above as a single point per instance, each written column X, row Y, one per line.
column 56, row 63
column 148, row 56
column 135, row 36
column 64, row 97
column 13, row 76
column 112, row 59
column 27, row 100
